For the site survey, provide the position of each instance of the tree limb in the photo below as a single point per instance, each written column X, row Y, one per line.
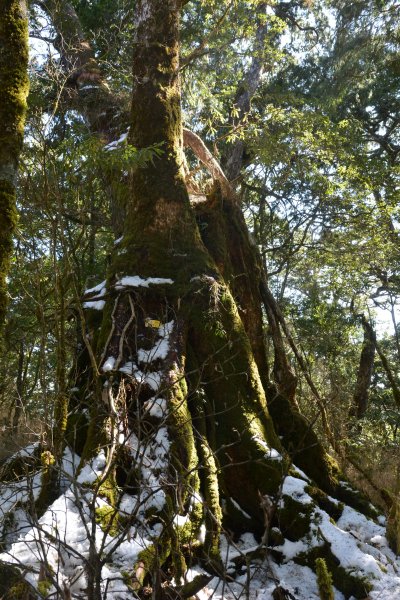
column 193, row 141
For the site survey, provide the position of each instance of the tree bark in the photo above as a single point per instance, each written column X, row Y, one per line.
column 233, row 160
column 14, row 85
column 364, row 375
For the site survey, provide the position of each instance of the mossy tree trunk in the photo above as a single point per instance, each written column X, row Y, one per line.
column 205, row 290
column 14, row 85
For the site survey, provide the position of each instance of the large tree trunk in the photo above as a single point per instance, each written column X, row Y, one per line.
column 14, row 86
column 201, row 294
column 209, row 372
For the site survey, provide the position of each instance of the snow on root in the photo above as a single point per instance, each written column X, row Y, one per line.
column 358, row 543
column 96, row 302
column 136, row 281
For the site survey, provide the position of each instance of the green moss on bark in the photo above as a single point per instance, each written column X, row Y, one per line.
column 14, row 85
column 243, row 428
column 393, row 525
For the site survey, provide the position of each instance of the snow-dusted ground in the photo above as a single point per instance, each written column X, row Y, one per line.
column 60, row 540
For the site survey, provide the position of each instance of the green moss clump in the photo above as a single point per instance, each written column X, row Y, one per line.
column 152, row 558
column 324, row 580
column 107, row 518
column 19, row 591
column 187, row 533
column 47, row 458
column 44, row 587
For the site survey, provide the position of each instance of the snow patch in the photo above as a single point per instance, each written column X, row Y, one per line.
column 294, row 487
column 108, row 364
column 114, row 144
column 96, row 303
column 136, row 281
column 96, row 288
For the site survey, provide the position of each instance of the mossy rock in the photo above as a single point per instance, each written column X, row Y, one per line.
column 356, row 499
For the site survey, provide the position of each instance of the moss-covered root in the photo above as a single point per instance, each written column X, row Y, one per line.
column 324, row 580
column 302, row 444
column 244, row 432
column 393, row 525
column 210, row 487
column 183, row 460
column 14, row 85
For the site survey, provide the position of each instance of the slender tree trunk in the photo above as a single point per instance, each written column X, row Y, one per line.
column 14, row 85
column 364, row 375
column 385, row 363
column 19, row 389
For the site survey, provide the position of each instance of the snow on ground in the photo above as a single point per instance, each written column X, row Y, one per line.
column 63, row 537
